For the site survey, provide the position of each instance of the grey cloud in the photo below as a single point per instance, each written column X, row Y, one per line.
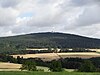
column 89, row 16
column 79, row 3
column 8, row 3
column 7, row 17
column 90, row 31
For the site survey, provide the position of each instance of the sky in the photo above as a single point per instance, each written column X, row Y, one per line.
column 81, row 17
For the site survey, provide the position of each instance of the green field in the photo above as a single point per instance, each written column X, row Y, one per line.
column 47, row 73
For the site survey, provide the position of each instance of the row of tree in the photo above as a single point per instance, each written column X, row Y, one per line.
column 56, row 66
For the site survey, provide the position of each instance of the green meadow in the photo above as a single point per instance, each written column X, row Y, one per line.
column 45, row 73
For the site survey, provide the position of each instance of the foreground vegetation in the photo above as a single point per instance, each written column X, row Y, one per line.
column 46, row 73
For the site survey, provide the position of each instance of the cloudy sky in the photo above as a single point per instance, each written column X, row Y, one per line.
column 80, row 17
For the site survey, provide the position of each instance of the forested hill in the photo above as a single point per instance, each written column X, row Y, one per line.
column 48, row 39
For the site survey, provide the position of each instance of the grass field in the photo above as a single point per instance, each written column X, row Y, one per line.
column 46, row 73
column 51, row 56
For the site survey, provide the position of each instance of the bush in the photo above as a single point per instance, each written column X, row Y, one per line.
column 29, row 65
column 87, row 66
column 98, row 70
column 55, row 66
column 40, row 70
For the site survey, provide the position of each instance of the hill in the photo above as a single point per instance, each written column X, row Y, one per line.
column 47, row 39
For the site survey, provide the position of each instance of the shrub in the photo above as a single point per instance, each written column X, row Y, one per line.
column 87, row 66
column 55, row 66
column 29, row 65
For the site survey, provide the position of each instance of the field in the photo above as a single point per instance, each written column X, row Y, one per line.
column 46, row 73
column 9, row 66
column 51, row 56
column 16, row 67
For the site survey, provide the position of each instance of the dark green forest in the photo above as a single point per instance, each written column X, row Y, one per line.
column 19, row 43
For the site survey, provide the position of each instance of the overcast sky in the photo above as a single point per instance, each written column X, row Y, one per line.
column 80, row 17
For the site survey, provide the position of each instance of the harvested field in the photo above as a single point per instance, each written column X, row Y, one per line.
column 84, row 55
column 16, row 67
column 51, row 56
column 9, row 66
column 44, row 56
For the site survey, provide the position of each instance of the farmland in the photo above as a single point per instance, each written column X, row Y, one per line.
column 51, row 56
column 13, row 69
column 6, row 66
column 9, row 66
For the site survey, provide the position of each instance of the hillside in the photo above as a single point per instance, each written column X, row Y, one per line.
column 47, row 39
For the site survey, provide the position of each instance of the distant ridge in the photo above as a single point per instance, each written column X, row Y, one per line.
column 51, row 39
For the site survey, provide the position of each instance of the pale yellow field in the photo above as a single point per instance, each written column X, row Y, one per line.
column 16, row 67
column 9, row 66
column 51, row 56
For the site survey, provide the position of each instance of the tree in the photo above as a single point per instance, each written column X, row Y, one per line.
column 55, row 66
column 87, row 66
column 49, row 48
column 55, row 49
column 19, row 60
column 29, row 65
column 11, row 59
